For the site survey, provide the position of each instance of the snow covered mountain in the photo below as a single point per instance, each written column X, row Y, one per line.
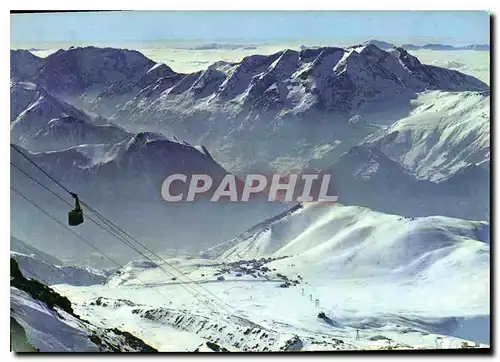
column 41, row 266
column 380, row 44
column 44, row 321
column 411, row 126
column 89, row 69
column 379, row 281
column 119, row 93
column 43, row 122
column 331, row 79
column 351, row 245
column 446, row 47
column 444, row 133
column 351, row 231
column 50, row 274
column 281, row 95
column 263, row 105
column 124, row 182
column 366, row 176
column 65, row 132
column 21, row 247
column 407, row 145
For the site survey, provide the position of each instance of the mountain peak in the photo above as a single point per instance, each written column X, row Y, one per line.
column 365, row 161
column 373, row 51
column 68, row 131
column 81, row 69
column 142, row 138
column 379, row 44
column 24, row 64
column 409, row 60
column 155, row 143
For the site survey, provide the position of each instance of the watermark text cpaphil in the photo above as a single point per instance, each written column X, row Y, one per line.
column 277, row 187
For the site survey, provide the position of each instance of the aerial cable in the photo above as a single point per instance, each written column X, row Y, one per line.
column 60, row 223
column 111, row 231
column 75, row 234
column 111, row 224
column 38, row 167
column 128, row 243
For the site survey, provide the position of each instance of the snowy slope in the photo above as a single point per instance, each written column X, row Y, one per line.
column 329, row 78
column 53, row 330
column 377, row 275
column 44, row 122
column 353, row 248
column 65, row 132
column 144, row 82
column 443, row 133
column 360, row 239
column 28, row 95
column 22, row 95
column 50, row 274
column 271, row 318
column 49, row 324
column 329, row 243
column 45, row 330
column 366, row 176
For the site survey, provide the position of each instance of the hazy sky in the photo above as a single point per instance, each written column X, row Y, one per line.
column 452, row 27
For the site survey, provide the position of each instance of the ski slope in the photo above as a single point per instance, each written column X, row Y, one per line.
column 381, row 275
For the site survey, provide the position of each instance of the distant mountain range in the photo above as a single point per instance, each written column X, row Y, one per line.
column 398, row 135
column 385, row 45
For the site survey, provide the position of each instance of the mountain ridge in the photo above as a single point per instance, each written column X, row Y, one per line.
column 326, row 100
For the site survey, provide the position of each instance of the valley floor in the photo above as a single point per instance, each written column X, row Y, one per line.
column 275, row 310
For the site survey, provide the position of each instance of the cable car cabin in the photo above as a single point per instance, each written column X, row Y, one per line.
column 75, row 216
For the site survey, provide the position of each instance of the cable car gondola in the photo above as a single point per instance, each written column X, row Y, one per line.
column 75, row 216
